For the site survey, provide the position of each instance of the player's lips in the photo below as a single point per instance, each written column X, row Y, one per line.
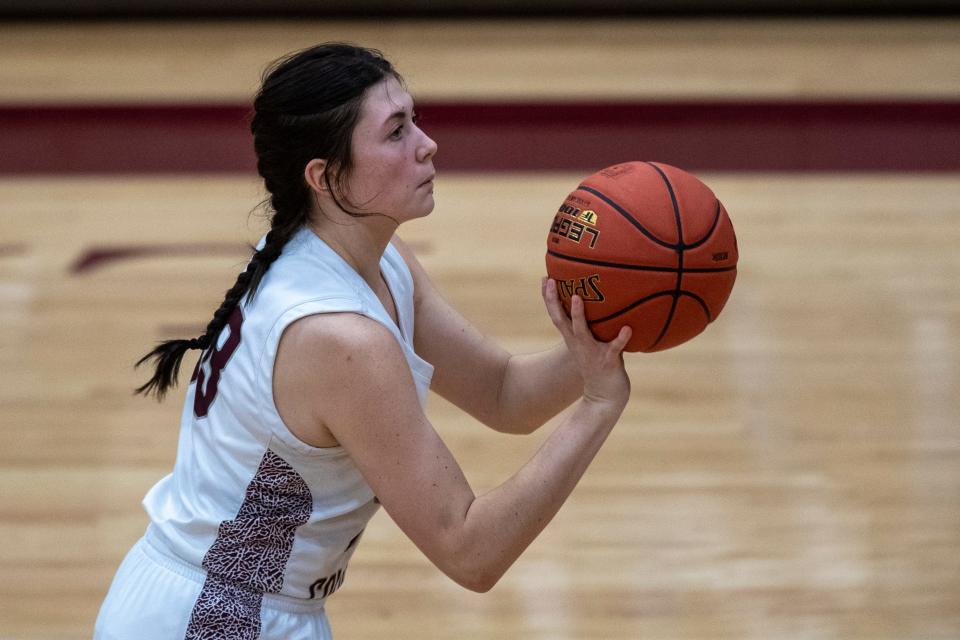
column 428, row 180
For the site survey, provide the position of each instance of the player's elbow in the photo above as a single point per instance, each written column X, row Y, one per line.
column 469, row 553
column 474, row 568
column 515, row 428
column 476, row 579
column 513, row 424
column 483, row 585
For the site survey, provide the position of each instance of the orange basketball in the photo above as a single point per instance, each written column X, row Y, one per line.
column 647, row 245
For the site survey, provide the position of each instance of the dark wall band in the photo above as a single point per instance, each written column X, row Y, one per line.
column 719, row 136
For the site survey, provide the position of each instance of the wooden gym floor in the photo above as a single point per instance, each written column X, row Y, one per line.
column 794, row 472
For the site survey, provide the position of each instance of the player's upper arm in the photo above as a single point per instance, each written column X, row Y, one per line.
column 364, row 394
column 468, row 367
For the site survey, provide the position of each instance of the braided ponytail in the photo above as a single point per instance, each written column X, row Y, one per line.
column 169, row 354
column 307, row 107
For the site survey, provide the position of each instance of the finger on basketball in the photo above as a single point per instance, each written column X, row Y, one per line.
column 580, row 327
column 554, row 309
column 619, row 343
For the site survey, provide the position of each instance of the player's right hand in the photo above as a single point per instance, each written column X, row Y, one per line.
column 605, row 379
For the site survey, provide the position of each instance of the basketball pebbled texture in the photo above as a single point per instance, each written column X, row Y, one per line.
column 644, row 244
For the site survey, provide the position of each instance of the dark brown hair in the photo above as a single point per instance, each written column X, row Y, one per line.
column 307, row 107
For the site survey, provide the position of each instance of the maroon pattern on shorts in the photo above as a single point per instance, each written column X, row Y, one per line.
column 225, row 610
column 250, row 553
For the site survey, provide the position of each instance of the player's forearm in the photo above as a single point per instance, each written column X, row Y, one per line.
column 500, row 524
column 535, row 388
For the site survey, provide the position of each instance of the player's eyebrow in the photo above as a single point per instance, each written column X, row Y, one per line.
column 399, row 114
column 396, row 115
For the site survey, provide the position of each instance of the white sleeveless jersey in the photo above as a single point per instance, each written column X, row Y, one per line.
column 247, row 501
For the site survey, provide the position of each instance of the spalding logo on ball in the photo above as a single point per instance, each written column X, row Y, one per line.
column 647, row 245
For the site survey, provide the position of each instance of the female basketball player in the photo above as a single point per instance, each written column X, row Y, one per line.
column 305, row 411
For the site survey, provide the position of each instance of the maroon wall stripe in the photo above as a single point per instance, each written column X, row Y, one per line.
column 718, row 136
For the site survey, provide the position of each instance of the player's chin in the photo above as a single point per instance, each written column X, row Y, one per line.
column 425, row 207
column 413, row 210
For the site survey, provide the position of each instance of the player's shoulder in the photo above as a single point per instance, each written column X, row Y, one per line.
column 351, row 334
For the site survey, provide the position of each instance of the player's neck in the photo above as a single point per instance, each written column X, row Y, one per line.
column 359, row 241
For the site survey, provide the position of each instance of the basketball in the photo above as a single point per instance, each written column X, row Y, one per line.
column 647, row 245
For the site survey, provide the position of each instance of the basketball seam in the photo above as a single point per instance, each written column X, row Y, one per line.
column 679, row 249
column 630, row 306
column 636, row 267
column 713, row 227
column 626, row 214
column 678, row 294
column 703, row 303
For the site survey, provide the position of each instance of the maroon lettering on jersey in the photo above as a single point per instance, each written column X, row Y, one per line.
column 212, row 362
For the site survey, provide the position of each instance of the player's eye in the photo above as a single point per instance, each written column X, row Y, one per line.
column 397, row 133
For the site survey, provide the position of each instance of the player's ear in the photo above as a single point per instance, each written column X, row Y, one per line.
column 313, row 173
